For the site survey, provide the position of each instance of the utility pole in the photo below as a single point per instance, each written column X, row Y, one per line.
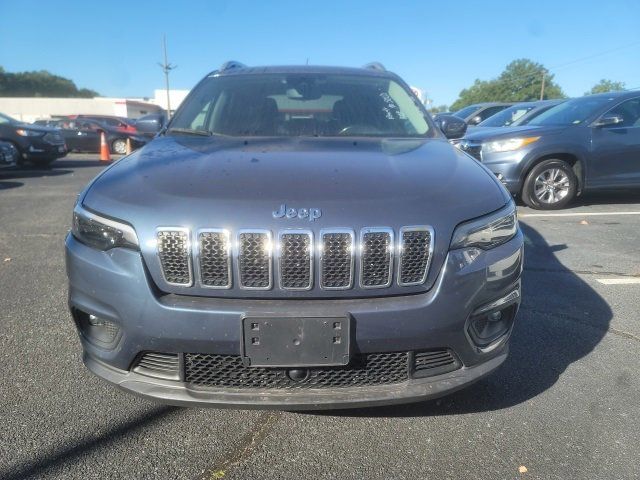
column 544, row 76
column 166, row 68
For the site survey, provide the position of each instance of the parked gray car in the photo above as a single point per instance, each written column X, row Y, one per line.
column 518, row 114
column 295, row 238
column 479, row 112
column 585, row 143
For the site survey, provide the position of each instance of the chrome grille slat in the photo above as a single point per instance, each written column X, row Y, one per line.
column 174, row 251
column 336, row 259
column 254, row 259
column 214, row 255
column 376, row 257
column 295, row 260
column 416, row 249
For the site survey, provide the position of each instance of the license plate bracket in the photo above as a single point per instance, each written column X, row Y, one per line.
column 296, row 341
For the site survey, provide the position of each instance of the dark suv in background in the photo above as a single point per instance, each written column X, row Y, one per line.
column 586, row 143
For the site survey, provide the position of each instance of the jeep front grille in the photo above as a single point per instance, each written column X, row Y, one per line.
column 296, row 260
column 246, row 259
column 174, row 250
column 215, row 258
column 254, row 259
column 336, row 259
column 415, row 255
column 376, row 257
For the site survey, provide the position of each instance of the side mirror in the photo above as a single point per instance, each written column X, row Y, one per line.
column 149, row 125
column 452, row 126
column 608, row 120
column 475, row 120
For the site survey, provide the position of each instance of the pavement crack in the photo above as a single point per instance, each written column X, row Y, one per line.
column 571, row 318
column 248, row 443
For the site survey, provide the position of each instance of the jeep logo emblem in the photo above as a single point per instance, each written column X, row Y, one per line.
column 311, row 213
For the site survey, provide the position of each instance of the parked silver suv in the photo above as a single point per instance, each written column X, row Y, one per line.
column 296, row 237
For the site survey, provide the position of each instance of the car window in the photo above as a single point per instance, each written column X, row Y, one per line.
column 6, row 119
column 629, row 111
column 507, row 116
column 572, row 112
column 489, row 112
column 303, row 105
column 466, row 111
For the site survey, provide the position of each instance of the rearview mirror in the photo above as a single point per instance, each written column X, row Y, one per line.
column 608, row 120
column 452, row 126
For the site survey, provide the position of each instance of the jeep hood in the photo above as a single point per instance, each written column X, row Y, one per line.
column 236, row 183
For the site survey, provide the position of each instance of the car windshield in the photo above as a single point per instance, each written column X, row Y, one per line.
column 7, row 119
column 507, row 116
column 572, row 112
column 301, row 105
column 466, row 111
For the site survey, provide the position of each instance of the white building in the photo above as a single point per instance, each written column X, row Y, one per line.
column 175, row 98
column 28, row 109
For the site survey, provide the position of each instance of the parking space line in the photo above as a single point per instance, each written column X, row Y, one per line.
column 572, row 214
column 619, row 281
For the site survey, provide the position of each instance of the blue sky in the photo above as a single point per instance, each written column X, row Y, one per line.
column 439, row 46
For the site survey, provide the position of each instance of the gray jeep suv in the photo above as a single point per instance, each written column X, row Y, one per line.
column 296, row 237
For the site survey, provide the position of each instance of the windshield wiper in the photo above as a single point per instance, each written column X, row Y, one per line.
column 190, row 131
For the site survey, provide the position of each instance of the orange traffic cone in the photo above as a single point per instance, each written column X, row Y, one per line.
column 129, row 149
column 105, row 156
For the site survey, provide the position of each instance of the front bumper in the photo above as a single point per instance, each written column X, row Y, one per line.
column 114, row 286
column 34, row 148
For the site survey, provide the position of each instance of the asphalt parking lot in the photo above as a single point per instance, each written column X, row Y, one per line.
column 566, row 404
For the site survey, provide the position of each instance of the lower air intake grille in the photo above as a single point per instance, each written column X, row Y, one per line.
column 254, row 260
column 163, row 365
column 337, row 260
column 295, row 261
column 434, row 362
column 228, row 371
column 415, row 256
column 175, row 256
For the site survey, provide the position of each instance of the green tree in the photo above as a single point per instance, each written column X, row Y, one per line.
column 521, row 81
column 39, row 84
column 438, row 109
column 604, row 86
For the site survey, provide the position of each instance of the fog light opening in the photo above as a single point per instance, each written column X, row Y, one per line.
column 487, row 328
column 96, row 329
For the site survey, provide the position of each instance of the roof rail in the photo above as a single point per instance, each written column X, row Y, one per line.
column 230, row 65
column 375, row 66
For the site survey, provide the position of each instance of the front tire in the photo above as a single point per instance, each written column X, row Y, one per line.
column 119, row 146
column 550, row 185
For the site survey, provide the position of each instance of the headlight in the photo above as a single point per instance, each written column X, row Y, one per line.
column 23, row 132
column 507, row 145
column 102, row 233
column 487, row 232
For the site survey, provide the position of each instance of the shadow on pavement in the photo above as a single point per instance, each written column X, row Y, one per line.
column 561, row 320
column 71, row 452
column 607, row 198
column 8, row 185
